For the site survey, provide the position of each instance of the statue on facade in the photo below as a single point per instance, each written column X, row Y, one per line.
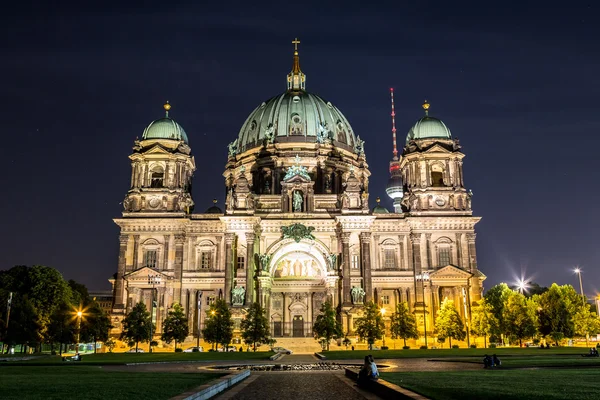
column 298, row 200
column 358, row 294
column 322, row 133
column 232, row 148
column 264, row 262
column 297, row 232
column 237, row 295
column 127, row 204
column 270, row 134
column 332, row 262
column 359, row 146
column 297, row 169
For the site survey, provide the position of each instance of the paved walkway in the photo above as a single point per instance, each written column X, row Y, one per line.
column 296, row 386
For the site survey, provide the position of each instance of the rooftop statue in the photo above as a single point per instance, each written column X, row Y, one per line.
column 232, row 148
column 297, row 169
column 270, row 134
column 359, row 146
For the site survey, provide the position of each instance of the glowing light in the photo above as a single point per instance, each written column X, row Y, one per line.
column 79, row 314
column 577, row 270
column 382, row 311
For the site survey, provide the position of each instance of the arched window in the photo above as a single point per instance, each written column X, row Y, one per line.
column 205, row 256
column 341, row 133
column 157, row 176
column 437, row 175
column 151, row 251
column 389, row 255
column 444, row 251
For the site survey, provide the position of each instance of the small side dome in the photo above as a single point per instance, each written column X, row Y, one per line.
column 165, row 128
column 428, row 128
column 379, row 209
column 214, row 209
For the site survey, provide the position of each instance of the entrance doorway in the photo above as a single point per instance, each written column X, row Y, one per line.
column 298, row 326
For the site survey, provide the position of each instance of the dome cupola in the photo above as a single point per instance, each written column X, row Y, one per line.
column 165, row 128
column 428, row 128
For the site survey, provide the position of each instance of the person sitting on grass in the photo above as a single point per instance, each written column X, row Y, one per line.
column 374, row 371
column 487, row 361
column 496, row 361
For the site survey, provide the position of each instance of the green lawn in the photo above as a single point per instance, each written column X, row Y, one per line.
column 548, row 360
column 498, row 384
column 87, row 382
column 454, row 353
column 126, row 358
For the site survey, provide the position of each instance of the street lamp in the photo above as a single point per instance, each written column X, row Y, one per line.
column 424, row 277
column 578, row 272
column 521, row 285
column 382, row 311
column 79, row 315
column 152, row 280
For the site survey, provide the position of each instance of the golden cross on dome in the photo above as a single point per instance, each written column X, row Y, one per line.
column 295, row 42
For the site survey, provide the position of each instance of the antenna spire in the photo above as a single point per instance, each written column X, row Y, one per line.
column 394, row 125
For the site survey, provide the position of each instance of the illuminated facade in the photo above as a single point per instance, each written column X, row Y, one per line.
column 296, row 229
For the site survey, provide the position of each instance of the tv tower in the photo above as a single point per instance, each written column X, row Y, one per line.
column 394, row 186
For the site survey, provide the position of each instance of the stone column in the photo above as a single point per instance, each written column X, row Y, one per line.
column 365, row 249
column 345, row 239
column 118, row 299
column 166, row 249
column 429, row 262
column 229, row 238
column 136, row 251
column 415, row 238
column 475, row 286
column 250, row 237
column 178, row 266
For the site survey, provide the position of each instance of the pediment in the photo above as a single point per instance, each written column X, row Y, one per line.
column 297, row 179
column 142, row 274
column 157, row 149
column 450, row 272
column 436, row 148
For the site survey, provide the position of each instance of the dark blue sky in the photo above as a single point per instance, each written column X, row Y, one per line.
column 518, row 83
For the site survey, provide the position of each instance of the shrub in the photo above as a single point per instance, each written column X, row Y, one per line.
column 473, row 346
column 423, row 347
column 492, row 345
column 455, row 346
column 406, row 347
column 384, row 347
column 178, row 350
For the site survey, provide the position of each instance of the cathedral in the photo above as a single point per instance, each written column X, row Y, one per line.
column 297, row 229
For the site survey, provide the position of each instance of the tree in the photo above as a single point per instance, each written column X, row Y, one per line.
column 482, row 320
column 175, row 325
column 255, row 327
column 448, row 323
column 496, row 297
column 219, row 325
column 586, row 322
column 61, row 328
column 327, row 326
column 137, row 325
column 371, row 325
column 403, row 323
column 96, row 325
column 23, row 326
column 555, row 318
column 519, row 317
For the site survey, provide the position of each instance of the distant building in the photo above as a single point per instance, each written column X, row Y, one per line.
column 104, row 299
column 296, row 229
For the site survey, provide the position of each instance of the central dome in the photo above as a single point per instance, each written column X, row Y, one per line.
column 295, row 116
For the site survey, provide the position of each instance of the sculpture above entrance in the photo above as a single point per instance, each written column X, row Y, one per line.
column 297, row 265
column 297, row 232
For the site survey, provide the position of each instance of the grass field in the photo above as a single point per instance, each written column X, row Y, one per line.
column 88, row 382
column 126, row 358
column 498, row 384
column 455, row 353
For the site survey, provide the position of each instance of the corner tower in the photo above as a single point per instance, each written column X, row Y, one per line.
column 161, row 170
column 431, row 169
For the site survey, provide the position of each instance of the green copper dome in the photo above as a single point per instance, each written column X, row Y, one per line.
column 165, row 128
column 295, row 117
column 428, row 128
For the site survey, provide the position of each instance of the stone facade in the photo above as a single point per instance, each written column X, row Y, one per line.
column 296, row 231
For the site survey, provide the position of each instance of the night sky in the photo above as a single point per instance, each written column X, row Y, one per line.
column 517, row 84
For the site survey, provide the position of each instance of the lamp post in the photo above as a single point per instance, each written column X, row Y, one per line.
column 578, row 272
column 382, row 311
column 79, row 315
column 199, row 314
column 424, row 277
column 213, row 313
column 152, row 280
